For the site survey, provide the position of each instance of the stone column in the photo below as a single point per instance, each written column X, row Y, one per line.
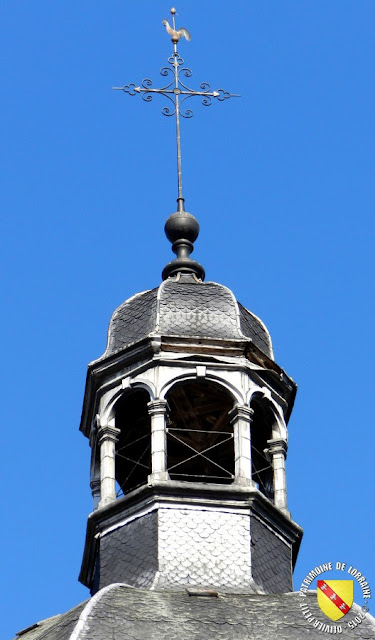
column 240, row 418
column 107, row 438
column 157, row 409
column 277, row 451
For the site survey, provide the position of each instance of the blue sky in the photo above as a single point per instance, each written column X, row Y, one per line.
column 281, row 182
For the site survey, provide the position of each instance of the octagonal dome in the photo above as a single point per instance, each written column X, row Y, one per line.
column 184, row 306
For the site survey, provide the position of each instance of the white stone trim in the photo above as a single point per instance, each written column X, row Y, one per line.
column 157, row 323
column 125, row 521
column 178, row 505
column 266, row 397
column 287, row 544
column 111, row 393
column 234, row 390
column 80, row 626
column 155, row 581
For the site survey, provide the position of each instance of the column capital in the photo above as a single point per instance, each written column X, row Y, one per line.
column 108, row 432
column 240, row 411
column 277, row 446
column 158, row 406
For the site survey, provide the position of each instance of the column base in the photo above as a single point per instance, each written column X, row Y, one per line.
column 105, row 501
column 244, row 482
column 158, row 476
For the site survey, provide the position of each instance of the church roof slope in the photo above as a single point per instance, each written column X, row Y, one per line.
column 58, row 627
column 119, row 612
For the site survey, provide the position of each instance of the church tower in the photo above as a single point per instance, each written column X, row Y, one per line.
column 186, row 413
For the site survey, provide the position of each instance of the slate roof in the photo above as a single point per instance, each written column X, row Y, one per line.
column 119, row 612
column 186, row 307
column 57, row 628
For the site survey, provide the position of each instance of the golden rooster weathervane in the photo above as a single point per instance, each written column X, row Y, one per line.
column 176, row 35
column 177, row 92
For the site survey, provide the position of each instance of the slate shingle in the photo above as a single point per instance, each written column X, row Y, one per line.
column 124, row 613
column 188, row 308
column 57, row 628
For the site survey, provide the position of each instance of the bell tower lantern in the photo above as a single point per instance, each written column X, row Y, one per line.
column 186, row 414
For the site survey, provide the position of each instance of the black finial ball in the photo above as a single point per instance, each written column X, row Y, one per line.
column 181, row 226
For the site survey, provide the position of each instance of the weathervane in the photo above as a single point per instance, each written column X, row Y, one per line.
column 177, row 92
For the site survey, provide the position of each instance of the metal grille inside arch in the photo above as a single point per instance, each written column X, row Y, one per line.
column 199, row 434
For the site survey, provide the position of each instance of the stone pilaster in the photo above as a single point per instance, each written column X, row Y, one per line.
column 157, row 410
column 107, row 438
column 277, row 451
column 240, row 418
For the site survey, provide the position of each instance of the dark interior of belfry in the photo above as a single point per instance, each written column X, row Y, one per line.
column 261, row 431
column 200, row 437
column 133, row 449
column 200, row 442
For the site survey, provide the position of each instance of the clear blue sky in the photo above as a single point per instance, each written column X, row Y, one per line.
column 282, row 184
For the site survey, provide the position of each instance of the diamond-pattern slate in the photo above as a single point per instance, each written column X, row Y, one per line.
column 184, row 307
column 271, row 559
column 252, row 328
column 132, row 321
column 179, row 546
column 128, row 554
column 190, row 308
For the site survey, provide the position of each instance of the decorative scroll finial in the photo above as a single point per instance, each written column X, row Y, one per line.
column 181, row 228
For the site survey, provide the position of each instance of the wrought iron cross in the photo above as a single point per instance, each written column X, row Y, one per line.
column 177, row 92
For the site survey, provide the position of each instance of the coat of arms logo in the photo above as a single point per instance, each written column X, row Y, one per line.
column 335, row 597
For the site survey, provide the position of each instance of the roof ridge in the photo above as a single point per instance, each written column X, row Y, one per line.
column 80, row 626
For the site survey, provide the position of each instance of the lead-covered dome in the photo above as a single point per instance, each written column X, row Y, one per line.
column 184, row 306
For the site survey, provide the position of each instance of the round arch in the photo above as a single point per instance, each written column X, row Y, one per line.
column 133, row 448
column 263, row 397
column 107, row 412
column 265, row 426
column 200, row 443
column 231, row 389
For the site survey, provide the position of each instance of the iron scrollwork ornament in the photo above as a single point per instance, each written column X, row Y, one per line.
column 176, row 91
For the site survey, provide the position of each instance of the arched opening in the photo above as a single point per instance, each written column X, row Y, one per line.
column 261, row 431
column 200, row 442
column 133, row 449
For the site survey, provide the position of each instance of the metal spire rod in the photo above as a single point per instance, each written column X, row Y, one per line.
column 180, row 199
column 177, row 92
